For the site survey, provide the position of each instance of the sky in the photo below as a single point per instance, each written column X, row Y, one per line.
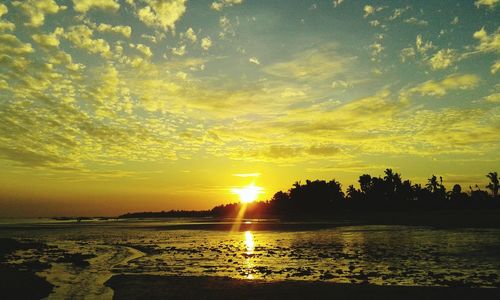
column 108, row 106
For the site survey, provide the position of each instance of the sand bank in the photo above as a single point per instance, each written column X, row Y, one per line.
column 191, row 287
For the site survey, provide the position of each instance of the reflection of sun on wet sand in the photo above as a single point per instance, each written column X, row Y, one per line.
column 250, row 246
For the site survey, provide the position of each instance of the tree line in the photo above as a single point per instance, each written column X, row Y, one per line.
column 387, row 193
column 390, row 192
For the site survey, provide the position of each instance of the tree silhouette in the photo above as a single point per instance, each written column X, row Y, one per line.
column 316, row 195
column 365, row 183
column 393, row 185
column 457, row 189
column 321, row 198
column 432, row 184
column 493, row 185
column 280, row 202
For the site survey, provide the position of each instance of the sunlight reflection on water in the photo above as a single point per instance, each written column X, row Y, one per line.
column 385, row 255
column 249, row 243
column 250, row 246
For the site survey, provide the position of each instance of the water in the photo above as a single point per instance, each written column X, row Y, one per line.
column 383, row 255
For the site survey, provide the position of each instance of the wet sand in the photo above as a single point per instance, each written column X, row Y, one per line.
column 192, row 287
column 286, row 259
column 21, row 284
column 442, row 219
column 15, row 284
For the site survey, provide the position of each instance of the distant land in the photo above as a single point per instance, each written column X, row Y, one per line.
column 377, row 196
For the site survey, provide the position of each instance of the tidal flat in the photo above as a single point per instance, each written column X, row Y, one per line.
column 90, row 259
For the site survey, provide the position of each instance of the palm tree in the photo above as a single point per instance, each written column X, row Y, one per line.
column 389, row 175
column 493, row 185
column 432, row 184
column 365, row 183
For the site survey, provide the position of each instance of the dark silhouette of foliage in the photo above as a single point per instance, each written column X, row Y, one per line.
column 170, row 214
column 324, row 198
column 493, row 185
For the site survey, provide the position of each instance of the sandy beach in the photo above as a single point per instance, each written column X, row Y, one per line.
column 21, row 282
column 17, row 284
column 264, row 259
column 192, row 287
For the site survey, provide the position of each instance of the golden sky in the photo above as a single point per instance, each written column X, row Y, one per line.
column 111, row 106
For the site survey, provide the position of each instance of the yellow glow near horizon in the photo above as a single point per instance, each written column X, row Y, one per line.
column 248, row 194
column 122, row 109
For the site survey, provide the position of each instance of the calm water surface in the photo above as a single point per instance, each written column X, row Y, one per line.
column 384, row 255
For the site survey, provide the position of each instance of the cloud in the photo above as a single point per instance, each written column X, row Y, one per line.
column 493, row 98
column 487, row 43
column 247, row 175
column 150, row 38
column 495, row 67
column 450, row 83
column 81, row 37
column 407, row 53
column 314, row 132
column 443, row 59
column 337, row 2
column 58, row 113
column 311, row 65
column 220, row 4
column 421, row 50
column 37, row 9
column 452, row 130
column 227, row 26
column 341, row 84
column 416, row 21
column 11, row 45
column 488, row 3
column 377, row 49
column 206, row 43
column 295, row 152
column 162, row 13
column 82, row 6
column 5, row 25
column 254, row 60
column 126, row 31
column 42, row 125
column 3, row 9
column 30, row 157
column 323, row 150
column 62, row 58
column 370, row 10
column 143, row 49
column 180, row 51
column 422, row 46
column 398, row 12
column 190, row 35
column 48, row 40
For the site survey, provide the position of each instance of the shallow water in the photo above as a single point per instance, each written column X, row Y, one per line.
column 384, row 255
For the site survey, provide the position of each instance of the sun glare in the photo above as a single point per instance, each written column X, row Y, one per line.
column 248, row 194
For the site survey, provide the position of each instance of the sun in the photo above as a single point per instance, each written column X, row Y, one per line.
column 248, row 194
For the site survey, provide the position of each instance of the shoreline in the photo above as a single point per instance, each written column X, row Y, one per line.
column 445, row 219
column 212, row 287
